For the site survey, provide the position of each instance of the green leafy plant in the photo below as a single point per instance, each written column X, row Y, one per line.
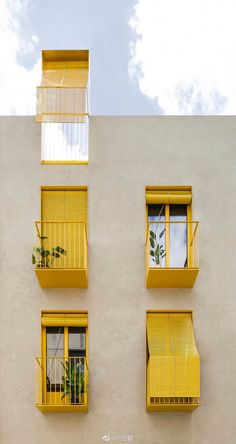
column 157, row 251
column 73, row 380
column 43, row 257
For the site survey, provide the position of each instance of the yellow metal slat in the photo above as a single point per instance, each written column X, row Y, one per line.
column 173, row 364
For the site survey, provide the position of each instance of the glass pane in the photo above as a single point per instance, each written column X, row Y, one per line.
column 55, row 341
column 55, row 349
column 77, row 352
column 77, row 341
column 157, row 229
column 178, row 236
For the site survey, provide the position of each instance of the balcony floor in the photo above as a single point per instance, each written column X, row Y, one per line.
column 62, row 277
column 44, row 408
column 171, row 277
column 171, row 407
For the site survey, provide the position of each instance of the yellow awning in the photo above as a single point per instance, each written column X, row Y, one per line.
column 64, row 319
column 168, row 197
column 173, row 368
column 62, row 95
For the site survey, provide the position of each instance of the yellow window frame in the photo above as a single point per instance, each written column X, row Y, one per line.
column 60, row 314
column 173, row 189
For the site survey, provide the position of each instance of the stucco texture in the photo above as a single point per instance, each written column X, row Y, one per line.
column 125, row 155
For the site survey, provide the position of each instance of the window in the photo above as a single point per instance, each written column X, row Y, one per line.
column 62, row 106
column 171, row 236
column 173, row 363
column 61, row 371
column 61, row 254
column 158, row 216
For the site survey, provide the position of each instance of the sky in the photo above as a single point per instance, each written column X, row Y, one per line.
column 147, row 57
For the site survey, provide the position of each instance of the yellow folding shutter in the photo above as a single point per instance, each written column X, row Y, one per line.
column 64, row 319
column 76, row 205
column 173, row 368
column 76, row 211
column 62, row 95
column 168, row 197
column 69, row 207
column 53, row 205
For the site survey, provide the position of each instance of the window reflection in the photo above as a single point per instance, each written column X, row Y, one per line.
column 178, row 236
column 156, row 217
column 55, row 349
column 171, row 220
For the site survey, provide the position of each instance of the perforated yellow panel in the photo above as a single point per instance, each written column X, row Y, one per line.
column 62, row 95
column 173, row 368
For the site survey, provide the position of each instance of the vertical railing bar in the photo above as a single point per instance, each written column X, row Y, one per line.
column 42, row 141
column 50, row 379
column 69, row 248
column 36, row 383
column 45, row 380
column 53, row 227
column 49, row 239
column 64, row 235
column 74, row 232
column 75, row 387
column 60, row 379
column 79, row 380
column 78, row 239
column 84, row 265
column 55, row 380
column 82, row 138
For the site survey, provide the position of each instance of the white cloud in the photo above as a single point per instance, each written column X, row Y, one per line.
column 183, row 54
column 17, row 84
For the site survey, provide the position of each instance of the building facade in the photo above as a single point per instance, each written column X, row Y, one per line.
column 130, row 158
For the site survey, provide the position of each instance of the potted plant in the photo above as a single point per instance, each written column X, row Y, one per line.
column 157, row 251
column 43, row 257
column 73, row 381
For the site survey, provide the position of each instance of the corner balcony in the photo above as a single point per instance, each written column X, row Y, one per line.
column 172, row 259
column 61, row 384
column 61, row 255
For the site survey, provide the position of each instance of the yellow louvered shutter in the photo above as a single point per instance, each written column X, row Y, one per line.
column 53, row 205
column 173, row 368
column 64, row 205
column 76, row 206
column 64, row 215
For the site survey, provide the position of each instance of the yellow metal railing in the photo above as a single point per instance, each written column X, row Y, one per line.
column 172, row 244
column 66, row 142
column 61, row 381
column 60, row 245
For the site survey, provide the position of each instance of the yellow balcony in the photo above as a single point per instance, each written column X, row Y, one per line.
column 61, row 384
column 172, row 254
column 60, row 257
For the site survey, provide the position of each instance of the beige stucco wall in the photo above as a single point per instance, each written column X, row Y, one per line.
column 126, row 153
